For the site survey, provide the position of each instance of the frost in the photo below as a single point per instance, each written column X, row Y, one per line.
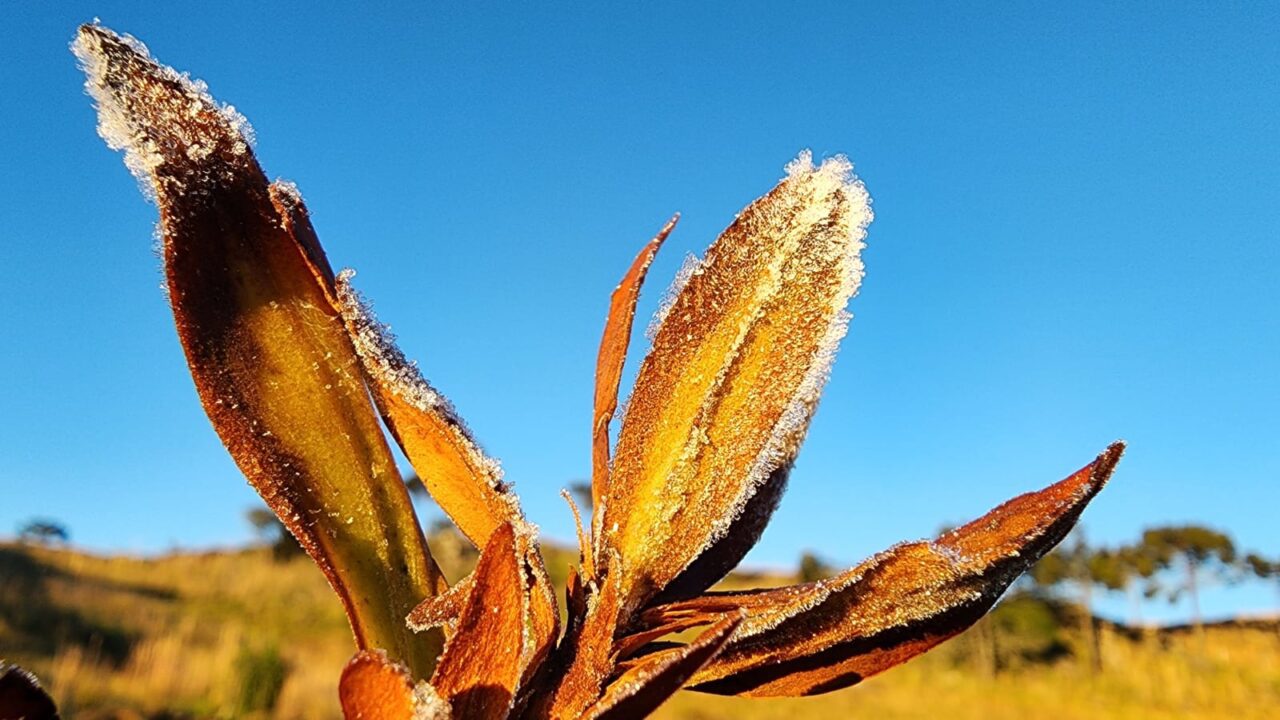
column 383, row 360
column 824, row 194
column 427, row 703
column 692, row 264
column 374, row 340
column 153, row 113
column 288, row 189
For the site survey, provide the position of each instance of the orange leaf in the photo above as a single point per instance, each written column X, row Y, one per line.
column 375, row 688
column 270, row 358
column 723, row 400
column 482, row 663
column 814, row 638
column 612, row 357
column 463, row 481
column 585, row 657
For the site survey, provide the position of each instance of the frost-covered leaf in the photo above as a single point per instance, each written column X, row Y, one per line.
column 613, row 356
column 724, row 398
column 647, row 682
column 21, row 696
column 464, row 482
column 830, row 634
column 373, row 687
column 441, row 610
column 482, row 665
column 271, row 359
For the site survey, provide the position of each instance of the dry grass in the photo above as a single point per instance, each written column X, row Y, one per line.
column 130, row 637
column 1237, row 676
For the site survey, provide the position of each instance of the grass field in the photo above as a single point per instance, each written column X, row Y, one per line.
column 226, row 634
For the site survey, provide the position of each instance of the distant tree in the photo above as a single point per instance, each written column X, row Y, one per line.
column 417, row 489
column 264, row 522
column 813, row 568
column 1202, row 555
column 442, row 525
column 1125, row 569
column 271, row 531
column 44, row 532
column 581, row 491
column 1140, row 566
column 1072, row 564
column 1262, row 568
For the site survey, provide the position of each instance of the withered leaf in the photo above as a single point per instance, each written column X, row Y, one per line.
column 833, row 633
column 271, row 360
column 443, row 609
column 723, row 400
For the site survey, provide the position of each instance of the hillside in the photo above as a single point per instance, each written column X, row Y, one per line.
column 219, row 634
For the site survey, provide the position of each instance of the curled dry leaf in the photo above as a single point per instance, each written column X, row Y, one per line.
column 483, row 661
column 646, row 683
column 294, row 372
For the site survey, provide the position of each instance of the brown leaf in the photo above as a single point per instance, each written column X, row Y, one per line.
column 822, row 636
column 585, row 657
column 22, row 698
column 482, row 663
column 724, row 398
column 463, row 481
column 270, row 358
column 543, row 621
column 654, row 678
column 612, row 357
column 373, row 687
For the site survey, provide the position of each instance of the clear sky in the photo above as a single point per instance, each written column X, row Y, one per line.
column 1075, row 241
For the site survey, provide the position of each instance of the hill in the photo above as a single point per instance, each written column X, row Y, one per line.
column 233, row 633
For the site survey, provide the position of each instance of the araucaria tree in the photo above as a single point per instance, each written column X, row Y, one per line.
column 295, row 372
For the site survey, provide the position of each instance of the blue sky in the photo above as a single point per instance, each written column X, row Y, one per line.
column 1075, row 242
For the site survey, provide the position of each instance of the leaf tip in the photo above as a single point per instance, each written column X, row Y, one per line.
column 160, row 118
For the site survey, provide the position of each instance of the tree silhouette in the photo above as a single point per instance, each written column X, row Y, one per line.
column 813, row 568
column 1128, row 569
column 417, row 489
column 1202, row 554
column 270, row 530
column 581, row 491
column 43, row 532
column 1262, row 568
column 1072, row 563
